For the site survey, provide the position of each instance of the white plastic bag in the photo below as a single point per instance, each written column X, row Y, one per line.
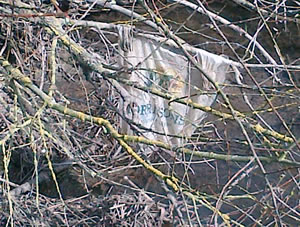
column 163, row 68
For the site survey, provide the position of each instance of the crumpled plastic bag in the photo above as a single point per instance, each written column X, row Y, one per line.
column 163, row 68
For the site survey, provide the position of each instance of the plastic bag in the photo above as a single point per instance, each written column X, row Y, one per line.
column 163, row 68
